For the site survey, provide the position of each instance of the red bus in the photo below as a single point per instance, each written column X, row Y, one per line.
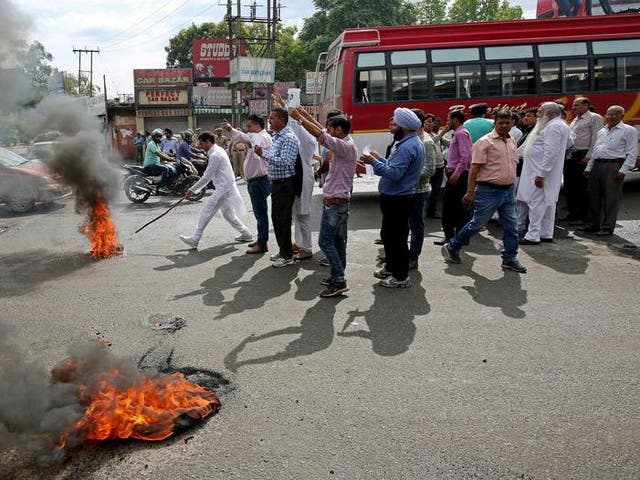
column 371, row 71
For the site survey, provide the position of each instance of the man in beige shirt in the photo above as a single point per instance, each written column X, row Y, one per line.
column 491, row 188
column 584, row 130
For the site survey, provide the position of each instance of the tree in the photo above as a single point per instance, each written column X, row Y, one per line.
column 291, row 56
column 71, row 85
column 431, row 12
column 35, row 65
column 333, row 16
column 482, row 11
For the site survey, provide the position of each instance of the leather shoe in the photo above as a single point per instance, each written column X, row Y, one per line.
column 252, row 244
column 257, row 249
column 439, row 242
column 303, row 255
column 528, row 242
column 546, row 240
column 587, row 229
column 604, row 232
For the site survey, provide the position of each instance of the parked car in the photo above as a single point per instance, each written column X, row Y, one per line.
column 24, row 182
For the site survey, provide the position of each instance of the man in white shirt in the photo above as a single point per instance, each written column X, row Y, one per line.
column 584, row 130
column 256, row 173
column 541, row 177
column 612, row 157
column 225, row 198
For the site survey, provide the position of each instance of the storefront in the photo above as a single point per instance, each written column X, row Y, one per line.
column 163, row 98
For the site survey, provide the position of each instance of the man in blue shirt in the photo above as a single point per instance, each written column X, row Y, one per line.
column 281, row 162
column 194, row 155
column 399, row 177
column 169, row 142
column 139, row 141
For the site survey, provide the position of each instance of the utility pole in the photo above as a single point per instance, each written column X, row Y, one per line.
column 80, row 51
column 270, row 19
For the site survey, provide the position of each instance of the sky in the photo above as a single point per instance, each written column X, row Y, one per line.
column 133, row 34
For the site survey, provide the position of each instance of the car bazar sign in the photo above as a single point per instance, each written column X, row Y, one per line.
column 162, row 96
column 168, row 77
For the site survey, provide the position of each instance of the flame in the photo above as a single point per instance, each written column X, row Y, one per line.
column 101, row 231
column 146, row 408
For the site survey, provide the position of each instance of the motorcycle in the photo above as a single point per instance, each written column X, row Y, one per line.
column 139, row 186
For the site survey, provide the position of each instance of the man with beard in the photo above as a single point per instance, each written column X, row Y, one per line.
column 397, row 187
column 225, row 198
column 491, row 189
column 612, row 157
column 539, row 186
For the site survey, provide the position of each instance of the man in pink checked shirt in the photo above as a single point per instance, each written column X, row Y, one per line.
column 454, row 213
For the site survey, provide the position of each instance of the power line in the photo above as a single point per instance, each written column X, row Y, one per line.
column 161, row 35
column 117, row 42
column 136, row 23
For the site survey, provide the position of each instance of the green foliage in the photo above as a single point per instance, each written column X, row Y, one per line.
column 179, row 50
column 291, row 56
column 431, row 12
column 332, row 17
column 71, row 85
column 482, row 11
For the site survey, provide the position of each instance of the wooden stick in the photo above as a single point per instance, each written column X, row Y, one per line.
column 161, row 215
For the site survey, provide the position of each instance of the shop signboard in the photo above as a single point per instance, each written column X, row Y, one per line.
column 167, row 77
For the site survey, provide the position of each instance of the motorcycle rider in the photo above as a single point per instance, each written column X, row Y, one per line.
column 153, row 164
column 194, row 155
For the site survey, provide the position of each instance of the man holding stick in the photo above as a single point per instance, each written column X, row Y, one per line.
column 225, row 198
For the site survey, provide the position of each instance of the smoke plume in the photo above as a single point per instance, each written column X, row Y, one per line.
column 38, row 407
column 12, row 34
column 78, row 156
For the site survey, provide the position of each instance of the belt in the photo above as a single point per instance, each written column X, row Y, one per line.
column 282, row 180
column 495, row 185
column 334, row 200
column 610, row 160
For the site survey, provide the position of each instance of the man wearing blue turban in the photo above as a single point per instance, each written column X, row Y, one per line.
column 399, row 177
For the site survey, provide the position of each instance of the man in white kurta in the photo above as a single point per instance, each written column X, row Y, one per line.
column 302, row 204
column 225, row 198
column 542, row 174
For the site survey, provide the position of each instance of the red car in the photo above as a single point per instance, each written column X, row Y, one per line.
column 24, row 182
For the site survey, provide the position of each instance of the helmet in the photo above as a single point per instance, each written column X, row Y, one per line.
column 157, row 132
column 187, row 133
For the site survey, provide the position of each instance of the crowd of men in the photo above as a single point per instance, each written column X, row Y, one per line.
column 501, row 163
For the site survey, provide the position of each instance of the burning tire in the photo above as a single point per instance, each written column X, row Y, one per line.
column 136, row 189
column 188, row 183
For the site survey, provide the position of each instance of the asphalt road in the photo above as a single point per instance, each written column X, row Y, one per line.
column 470, row 373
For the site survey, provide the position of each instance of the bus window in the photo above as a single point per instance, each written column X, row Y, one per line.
column 444, row 82
column 408, row 57
column 510, row 78
column 605, row 74
column 339, row 78
column 409, row 84
column 508, row 52
column 550, row 77
column 375, row 59
column 329, row 85
column 453, row 55
column 575, row 76
column 616, row 46
column 562, row 49
column 371, row 86
column 629, row 73
column 469, row 82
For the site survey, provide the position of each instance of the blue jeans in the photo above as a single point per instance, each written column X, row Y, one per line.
column 259, row 190
column 488, row 200
column 333, row 238
column 416, row 225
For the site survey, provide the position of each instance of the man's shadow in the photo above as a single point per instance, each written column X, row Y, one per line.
column 192, row 257
column 315, row 333
column 225, row 277
column 390, row 319
column 505, row 293
column 267, row 284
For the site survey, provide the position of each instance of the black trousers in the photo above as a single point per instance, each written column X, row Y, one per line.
column 575, row 186
column 454, row 213
column 395, row 229
column 282, row 196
